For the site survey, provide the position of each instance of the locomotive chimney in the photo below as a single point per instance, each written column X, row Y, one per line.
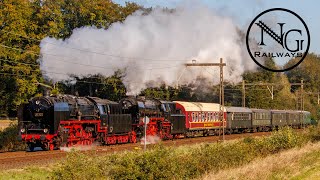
column 46, row 92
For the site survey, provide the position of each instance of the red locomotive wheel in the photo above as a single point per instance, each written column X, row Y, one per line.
column 51, row 147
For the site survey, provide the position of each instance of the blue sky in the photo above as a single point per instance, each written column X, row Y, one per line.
column 243, row 11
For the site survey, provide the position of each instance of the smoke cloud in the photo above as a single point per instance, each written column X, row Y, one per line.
column 151, row 48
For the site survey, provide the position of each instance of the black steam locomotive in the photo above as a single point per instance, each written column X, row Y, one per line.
column 50, row 122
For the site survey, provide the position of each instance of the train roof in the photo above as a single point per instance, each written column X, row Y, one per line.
column 167, row 102
column 278, row 111
column 238, row 109
column 198, row 106
column 102, row 101
column 261, row 110
column 293, row 111
column 306, row 112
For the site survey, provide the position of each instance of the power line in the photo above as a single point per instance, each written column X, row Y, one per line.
column 18, row 75
column 8, row 60
column 94, row 52
column 102, row 67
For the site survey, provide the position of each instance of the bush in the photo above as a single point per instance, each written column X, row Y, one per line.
column 9, row 139
column 177, row 163
column 314, row 133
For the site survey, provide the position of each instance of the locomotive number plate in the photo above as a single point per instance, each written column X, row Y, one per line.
column 38, row 114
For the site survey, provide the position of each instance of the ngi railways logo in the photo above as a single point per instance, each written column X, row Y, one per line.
column 280, row 34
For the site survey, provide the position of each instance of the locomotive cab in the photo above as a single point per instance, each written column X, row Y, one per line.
column 111, row 116
column 175, row 116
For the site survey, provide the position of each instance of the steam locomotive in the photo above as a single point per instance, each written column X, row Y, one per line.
column 51, row 122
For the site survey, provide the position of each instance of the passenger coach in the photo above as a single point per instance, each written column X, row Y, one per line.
column 201, row 117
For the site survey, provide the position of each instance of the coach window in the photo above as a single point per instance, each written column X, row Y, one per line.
column 193, row 117
column 199, row 117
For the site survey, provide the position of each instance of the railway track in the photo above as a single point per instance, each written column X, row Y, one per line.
column 21, row 159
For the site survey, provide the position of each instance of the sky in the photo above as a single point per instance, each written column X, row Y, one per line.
column 243, row 11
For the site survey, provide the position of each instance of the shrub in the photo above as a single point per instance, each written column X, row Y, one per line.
column 9, row 139
column 177, row 163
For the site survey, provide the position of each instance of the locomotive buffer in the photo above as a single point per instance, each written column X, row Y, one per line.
column 221, row 97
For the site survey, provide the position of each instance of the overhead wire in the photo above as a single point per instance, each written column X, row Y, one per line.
column 99, row 53
column 102, row 67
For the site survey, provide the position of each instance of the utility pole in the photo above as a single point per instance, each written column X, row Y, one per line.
column 243, row 94
column 271, row 91
column 302, row 100
column 221, row 98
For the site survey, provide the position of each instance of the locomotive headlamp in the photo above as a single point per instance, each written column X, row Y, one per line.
column 45, row 130
column 23, row 130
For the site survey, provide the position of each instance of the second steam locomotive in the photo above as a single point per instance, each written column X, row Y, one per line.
column 51, row 122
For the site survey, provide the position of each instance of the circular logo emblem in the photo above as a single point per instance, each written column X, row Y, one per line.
column 280, row 34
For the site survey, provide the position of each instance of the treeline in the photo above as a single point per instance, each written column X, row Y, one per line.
column 279, row 94
column 24, row 23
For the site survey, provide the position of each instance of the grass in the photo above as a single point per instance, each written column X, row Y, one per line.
column 32, row 173
column 296, row 163
column 229, row 160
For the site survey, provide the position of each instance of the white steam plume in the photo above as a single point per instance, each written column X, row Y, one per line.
column 151, row 47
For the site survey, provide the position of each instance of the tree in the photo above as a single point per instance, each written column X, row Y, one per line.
column 24, row 23
column 17, row 54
